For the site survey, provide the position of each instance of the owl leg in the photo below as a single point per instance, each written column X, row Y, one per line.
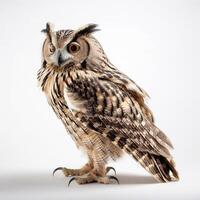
column 92, row 177
column 75, row 172
column 98, row 173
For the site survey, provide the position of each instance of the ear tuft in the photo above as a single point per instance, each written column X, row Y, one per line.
column 84, row 30
column 88, row 28
column 48, row 29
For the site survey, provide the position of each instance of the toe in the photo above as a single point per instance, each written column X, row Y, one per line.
column 57, row 169
column 66, row 171
column 113, row 177
column 110, row 168
column 82, row 180
column 72, row 179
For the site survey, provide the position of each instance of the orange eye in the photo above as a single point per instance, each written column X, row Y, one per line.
column 73, row 47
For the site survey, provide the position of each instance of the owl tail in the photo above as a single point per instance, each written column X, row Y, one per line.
column 160, row 167
column 166, row 168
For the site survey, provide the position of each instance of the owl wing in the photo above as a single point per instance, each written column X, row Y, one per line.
column 128, row 134
column 137, row 141
column 125, row 83
column 137, row 136
column 136, row 95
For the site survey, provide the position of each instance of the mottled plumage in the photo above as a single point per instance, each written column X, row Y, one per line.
column 103, row 109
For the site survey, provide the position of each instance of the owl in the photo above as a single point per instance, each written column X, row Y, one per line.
column 103, row 110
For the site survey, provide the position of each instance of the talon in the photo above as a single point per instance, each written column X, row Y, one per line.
column 72, row 179
column 111, row 168
column 59, row 168
column 113, row 177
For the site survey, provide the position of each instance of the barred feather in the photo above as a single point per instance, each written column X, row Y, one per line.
column 104, row 110
column 158, row 165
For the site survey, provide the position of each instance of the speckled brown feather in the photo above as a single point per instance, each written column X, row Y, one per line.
column 111, row 115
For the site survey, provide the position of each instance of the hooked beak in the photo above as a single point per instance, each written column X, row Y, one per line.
column 63, row 58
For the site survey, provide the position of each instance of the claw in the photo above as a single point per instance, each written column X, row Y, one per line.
column 113, row 177
column 111, row 168
column 58, row 168
column 72, row 179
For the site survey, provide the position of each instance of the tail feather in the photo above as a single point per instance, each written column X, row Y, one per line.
column 160, row 167
column 166, row 168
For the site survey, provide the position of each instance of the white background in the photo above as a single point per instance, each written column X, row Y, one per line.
column 155, row 42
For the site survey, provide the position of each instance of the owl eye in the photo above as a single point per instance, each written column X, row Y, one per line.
column 73, row 47
column 51, row 48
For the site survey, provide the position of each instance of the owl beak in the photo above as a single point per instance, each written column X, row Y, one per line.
column 63, row 58
column 60, row 59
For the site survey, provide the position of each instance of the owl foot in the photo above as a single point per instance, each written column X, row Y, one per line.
column 91, row 178
column 74, row 172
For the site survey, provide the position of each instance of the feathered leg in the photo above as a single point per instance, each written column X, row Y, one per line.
column 98, row 172
column 75, row 172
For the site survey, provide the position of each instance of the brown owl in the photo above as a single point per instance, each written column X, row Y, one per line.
column 102, row 109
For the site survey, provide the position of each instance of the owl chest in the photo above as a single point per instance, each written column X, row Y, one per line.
column 59, row 94
column 74, row 102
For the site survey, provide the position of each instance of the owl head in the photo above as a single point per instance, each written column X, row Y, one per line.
column 65, row 47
